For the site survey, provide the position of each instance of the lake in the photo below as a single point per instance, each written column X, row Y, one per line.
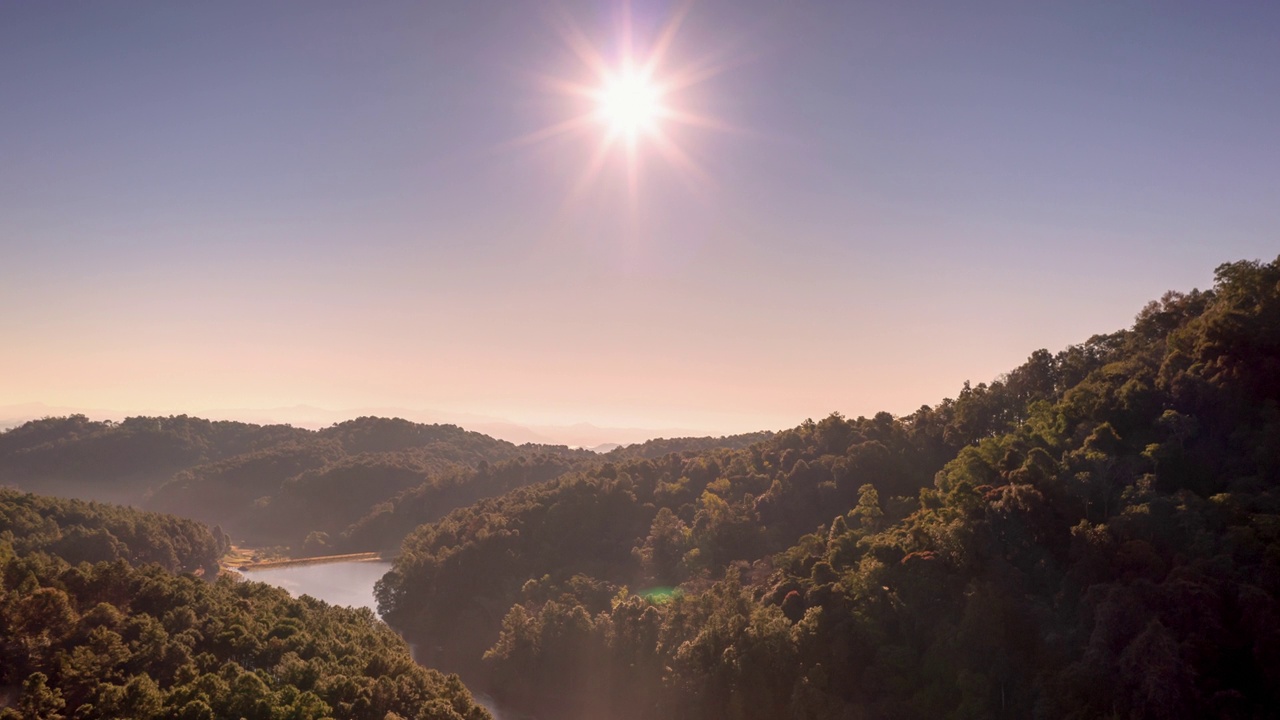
column 337, row 583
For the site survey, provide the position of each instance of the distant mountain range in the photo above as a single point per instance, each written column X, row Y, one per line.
column 365, row 481
column 578, row 435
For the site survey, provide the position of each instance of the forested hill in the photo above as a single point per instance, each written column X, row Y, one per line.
column 388, row 523
column 125, row 461
column 80, row 531
column 1096, row 534
column 660, row 447
column 284, row 493
column 358, row 485
column 119, row 462
column 263, row 484
column 117, row 640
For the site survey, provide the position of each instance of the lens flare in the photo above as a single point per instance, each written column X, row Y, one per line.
column 629, row 103
column 632, row 102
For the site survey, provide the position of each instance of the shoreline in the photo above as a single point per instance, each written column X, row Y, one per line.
column 291, row 562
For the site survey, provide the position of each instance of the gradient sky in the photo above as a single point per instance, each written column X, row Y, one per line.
column 253, row 205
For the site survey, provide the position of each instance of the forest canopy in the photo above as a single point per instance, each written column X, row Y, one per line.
column 112, row 639
column 357, row 486
column 82, row 531
column 1096, row 533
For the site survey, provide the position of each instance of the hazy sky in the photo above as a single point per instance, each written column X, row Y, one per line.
column 251, row 205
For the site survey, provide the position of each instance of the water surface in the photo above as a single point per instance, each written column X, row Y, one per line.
column 337, row 583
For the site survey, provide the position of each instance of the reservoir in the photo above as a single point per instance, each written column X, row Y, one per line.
column 337, row 583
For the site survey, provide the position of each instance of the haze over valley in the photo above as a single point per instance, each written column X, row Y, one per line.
column 639, row 359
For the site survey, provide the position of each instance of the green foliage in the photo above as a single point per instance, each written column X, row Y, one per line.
column 120, row 462
column 366, row 483
column 644, row 522
column 386, row 525
column 1095, row 534
column 80, row 531
column 274, row 485
column 110, row 640
column 662, row 447
column 335, row 478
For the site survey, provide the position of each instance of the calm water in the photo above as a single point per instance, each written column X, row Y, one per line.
column 339, row 583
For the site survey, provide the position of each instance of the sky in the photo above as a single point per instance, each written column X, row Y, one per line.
column 346, row 206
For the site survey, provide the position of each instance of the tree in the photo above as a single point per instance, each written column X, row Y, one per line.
column 39, row 701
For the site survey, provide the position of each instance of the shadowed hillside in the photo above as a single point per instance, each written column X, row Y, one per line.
column 120, row 462
column 358, row 485
column 1093, row 534
column 86, row 631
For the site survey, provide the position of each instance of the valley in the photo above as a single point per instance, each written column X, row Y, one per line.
column 1095, row 528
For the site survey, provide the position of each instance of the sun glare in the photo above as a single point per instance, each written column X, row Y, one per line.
column 629, row 103
column 632, row 102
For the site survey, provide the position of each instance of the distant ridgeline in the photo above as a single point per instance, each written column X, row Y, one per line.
column 1094, row 534
column 120, row 640
column 386, row 525
column 266, row 485
column 359, row 485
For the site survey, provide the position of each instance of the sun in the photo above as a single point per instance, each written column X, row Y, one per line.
column 632, row 100
column 629, row 103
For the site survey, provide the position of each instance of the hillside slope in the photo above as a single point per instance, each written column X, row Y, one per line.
column 93, row 628
column 1095, row 534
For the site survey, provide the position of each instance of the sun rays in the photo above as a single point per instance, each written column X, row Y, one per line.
column 628, row 102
